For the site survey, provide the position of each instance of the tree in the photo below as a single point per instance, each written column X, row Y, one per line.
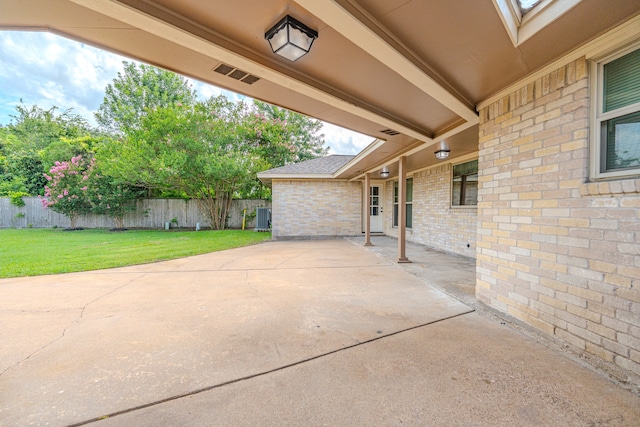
column 110, row 197
column 67, row 189
column 285, row 136
column 282, row 137
column 29, row 137
column 37, row 128
column 138, row 89
column 203, row 151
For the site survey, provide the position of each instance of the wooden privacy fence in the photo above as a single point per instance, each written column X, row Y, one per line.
column 149, row 213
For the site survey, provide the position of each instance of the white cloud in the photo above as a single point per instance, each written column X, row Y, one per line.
column 344, row 141
column 46, row 70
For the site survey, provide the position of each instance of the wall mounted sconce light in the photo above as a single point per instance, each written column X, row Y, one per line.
column 443, row 150
column 290, row 38
column 384, row 173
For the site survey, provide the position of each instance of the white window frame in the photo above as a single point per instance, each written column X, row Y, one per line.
column 396, row 206
column 521, row 28
column 598, row 117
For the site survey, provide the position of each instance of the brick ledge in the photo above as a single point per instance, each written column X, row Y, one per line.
column 611, row 188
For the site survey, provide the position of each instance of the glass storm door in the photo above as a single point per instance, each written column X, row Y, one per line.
column 375, row 209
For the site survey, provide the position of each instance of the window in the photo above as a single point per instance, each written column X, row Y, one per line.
column 616, row 135
column 408, row 204
column 526, row 5
column 465, row 184
column 374, row 200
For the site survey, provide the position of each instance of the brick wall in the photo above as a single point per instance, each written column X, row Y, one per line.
column 316, row 208
column 435, row 223
column 555, row 251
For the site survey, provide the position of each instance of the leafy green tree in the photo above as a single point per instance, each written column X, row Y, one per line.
column 67, row 189
column 286, row 137
column 27, row 138
column 282, row 137
column 36, row 128
column 66, row 148
column 203, row 151
column 137, row 90
column 110, row 197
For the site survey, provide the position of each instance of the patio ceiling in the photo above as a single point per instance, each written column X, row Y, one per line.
column 415, row 67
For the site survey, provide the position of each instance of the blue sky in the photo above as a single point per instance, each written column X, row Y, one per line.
column 48, row 70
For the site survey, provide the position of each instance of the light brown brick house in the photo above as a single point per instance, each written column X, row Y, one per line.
column 536, row 103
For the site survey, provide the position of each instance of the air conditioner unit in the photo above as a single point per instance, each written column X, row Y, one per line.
column 263, row 219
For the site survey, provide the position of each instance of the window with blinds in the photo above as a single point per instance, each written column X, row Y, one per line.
column 618, row 116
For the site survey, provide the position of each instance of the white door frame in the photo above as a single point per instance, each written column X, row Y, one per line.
column 376, row 211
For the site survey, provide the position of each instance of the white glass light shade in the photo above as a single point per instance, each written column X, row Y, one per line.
column 290, row 38
column 443, row 150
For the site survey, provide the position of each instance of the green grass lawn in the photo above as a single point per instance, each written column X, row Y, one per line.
column 32, row 252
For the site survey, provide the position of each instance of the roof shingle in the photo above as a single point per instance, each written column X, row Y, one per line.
column 321, row 166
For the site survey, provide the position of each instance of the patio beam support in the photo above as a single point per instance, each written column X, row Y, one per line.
column 367, row 209
column 402, row 210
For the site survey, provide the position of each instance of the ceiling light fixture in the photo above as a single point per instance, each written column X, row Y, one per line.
column 290, row 38
column 384, row 172
column 443, row 150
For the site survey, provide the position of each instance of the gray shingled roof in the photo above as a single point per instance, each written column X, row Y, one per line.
column 320, row 166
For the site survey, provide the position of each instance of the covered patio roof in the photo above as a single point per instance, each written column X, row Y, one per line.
column 409, row 73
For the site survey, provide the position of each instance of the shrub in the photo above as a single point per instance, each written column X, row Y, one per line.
column 16, row 198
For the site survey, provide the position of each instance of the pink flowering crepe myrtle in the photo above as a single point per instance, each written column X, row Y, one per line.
column 66, row 189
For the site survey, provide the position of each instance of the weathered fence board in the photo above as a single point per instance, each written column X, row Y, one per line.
column 149, row 213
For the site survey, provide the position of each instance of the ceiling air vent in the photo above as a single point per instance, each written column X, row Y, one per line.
column 236, row 74
column 390, row 132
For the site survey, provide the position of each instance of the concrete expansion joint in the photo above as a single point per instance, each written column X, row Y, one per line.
column 270, row 371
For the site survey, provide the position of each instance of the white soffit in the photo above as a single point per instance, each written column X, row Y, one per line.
column 521, row 28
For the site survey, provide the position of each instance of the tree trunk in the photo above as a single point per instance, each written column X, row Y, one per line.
column 73, row 218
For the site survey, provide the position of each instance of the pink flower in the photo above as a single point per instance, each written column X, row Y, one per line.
column 84, row 188
column 65, row 192
column 60, row 196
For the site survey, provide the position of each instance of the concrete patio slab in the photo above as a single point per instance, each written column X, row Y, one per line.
column 465, row 371
column 281, row 333
column 84, row 345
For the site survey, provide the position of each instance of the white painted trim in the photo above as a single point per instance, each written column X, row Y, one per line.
column 509, row 18
column 361, row 155
column 520, row 28
column 542, row 15
column 182, row 37
column 451, row 161
column 334, row 15
column 596, row 118
column 308, row 179
column 295, row 176
column 414, row 150
column 616, row 38
column 381, row 185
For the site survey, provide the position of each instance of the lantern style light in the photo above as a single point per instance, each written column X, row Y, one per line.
column 443, row 151
column 290, row 38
